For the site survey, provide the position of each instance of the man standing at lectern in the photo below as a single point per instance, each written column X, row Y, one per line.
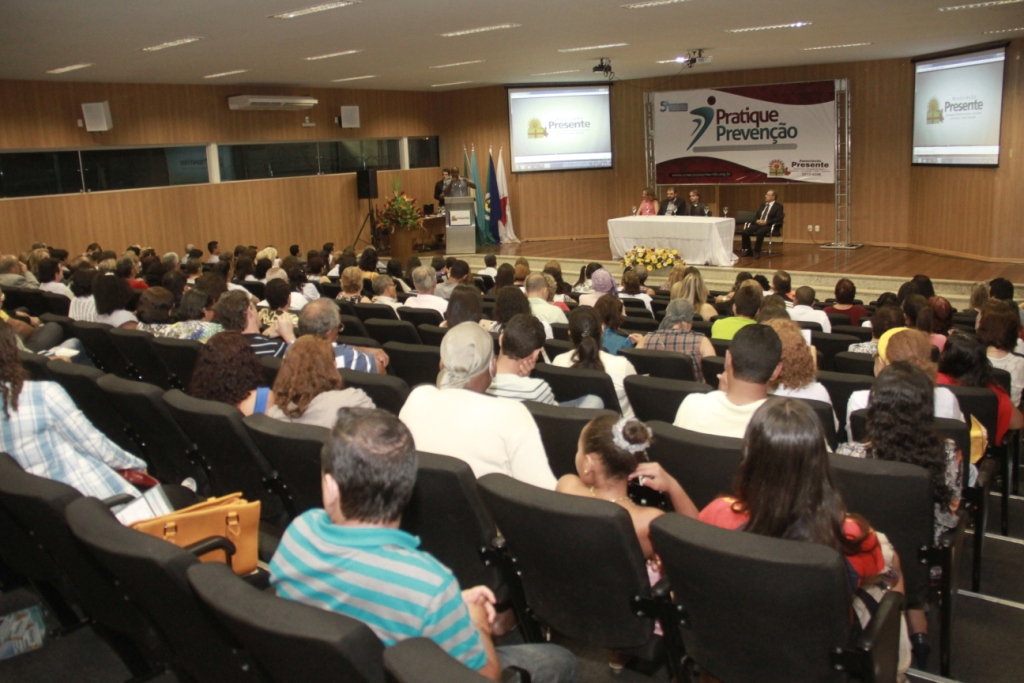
column 441, row 186
column 694, row 207
column 672, row 206
column 768, row 217
column 459, row 187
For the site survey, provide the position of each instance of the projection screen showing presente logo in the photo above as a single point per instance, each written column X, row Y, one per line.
column 957, row 109
column 560, row 128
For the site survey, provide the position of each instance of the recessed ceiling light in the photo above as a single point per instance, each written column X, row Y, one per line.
column 313, row 10
column 65, row 69
column 651, row 3
column 979, row 5
column 333, row 54
column 445, row 66
column 555, row 73
column 173, row 43
column 227, row 73
column 353, row 78
column 445, row 85
column 984, row 33
column 796, row 24
column 835, row 47
column 677, row 60
column 592, row 47
column 481, row 29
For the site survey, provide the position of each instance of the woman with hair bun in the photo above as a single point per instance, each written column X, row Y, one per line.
column 585, row 334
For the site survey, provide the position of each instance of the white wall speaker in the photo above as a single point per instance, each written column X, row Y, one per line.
column 97, row 116
column 350, row 117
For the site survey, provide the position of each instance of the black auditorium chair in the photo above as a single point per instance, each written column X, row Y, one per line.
column 634, row 323
column 27, row 298
column 863, row 334
column 560, row 428
column 80, row 382
column 95, row 337
column 179, row 359
column 345, row 307
column 705, row 462
column 854, row 363
column 387, row 391
column 634, row 306
column 39, row 506
column 415, row 363
column 432, row 334
column 797, row 630
column 421, row 660
column 379, row 311
column 829, row 345
column 721, row 346
column 330, row 290
column 560, row 330
column 150, row 575
column 556, row 347
column 57, row 304
column 36, row 365
column 553, row 541
column 808, row 325
column 351, row 325
column 293, row 450
column 420, row 316
column 826, row 416
column 170, row 453
column 137, row 349
column 572, row 383
column 837, row 319
column 702, row 326
column 290, row 641
column 711, row 367
column 667, row 364
column 271, row 366
column 654, row 398
column 453, row 525
column 63, row 320
column 353, row 340
column 257, row 289
column 840, row 386
column 385, row 331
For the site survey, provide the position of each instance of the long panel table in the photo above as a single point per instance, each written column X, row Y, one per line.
column 698, row 240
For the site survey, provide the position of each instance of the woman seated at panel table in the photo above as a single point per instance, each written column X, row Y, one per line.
column 648, row 204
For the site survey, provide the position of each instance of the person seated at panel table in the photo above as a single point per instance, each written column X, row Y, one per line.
column 673, row 205
column 694, row 207
column 648, row 204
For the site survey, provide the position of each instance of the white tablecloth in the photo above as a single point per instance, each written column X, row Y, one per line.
column 698, row 240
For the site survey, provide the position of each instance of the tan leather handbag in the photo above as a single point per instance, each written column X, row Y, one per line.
column 229, row 516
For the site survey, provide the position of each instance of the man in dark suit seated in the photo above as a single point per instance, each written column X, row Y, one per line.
column 694, row 206
column 673, row 205
column 768, row 217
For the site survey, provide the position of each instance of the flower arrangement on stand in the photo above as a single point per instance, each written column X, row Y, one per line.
column 400, row 212
column 652, row 259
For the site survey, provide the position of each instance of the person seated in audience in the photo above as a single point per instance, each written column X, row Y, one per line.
column 83, row 306
column 964, row 362
column 154, row 311
column 900, row 428
column 385, row 292
column 803, row 310
column 923, row 285
column 193, row 269
column 782, row 284
column 51, row 278
column 228, row 371
column 395, row 272
column 537, row 296
column 195, row 317
column 276, row 305
column 585, row 332
column 799, row 375
column 913, row 346
column 368, row 263
column 465, row 305
column 244, row 270
column 745, row 305
column 14, row 273
column 49, row 436
column 695, row 291
column 505, row 278
column 521, row 272
column 784, row 488
column 942, row 320
column 308, row 389
column 128, row 268
column 884, row 318
column 631, row 289
column 352, row 286
column 425, row 280
column 458, row 274
column 175, row 282
column 999, row 329
column 773, row 307
column 918, row 316
column 675, row 275
column 556, row 300
column 522, row 342
column 845, row 293
column 235, row 312
column 490, row 266
column 979, row 296
column 752, row 362
column 601, row 283
column 560, row 294
column 315, row 270
column 263, row 266
column 448, row 263
column 322, row 319
column 112, row 295
column 584, row 284
column 303, row 291
column 722, row 301
column 610, row 310
column 510, row 302
column 457, row 418
column 675, row 333
column 369, row 472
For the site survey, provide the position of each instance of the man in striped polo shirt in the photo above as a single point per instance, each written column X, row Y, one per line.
column 352, row 557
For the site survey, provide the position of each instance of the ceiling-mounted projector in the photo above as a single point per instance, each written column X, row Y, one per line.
column 604, row 66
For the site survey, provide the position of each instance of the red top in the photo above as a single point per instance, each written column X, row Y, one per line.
column 867, row 562
column 137, row 284
column 1005, row 412
column 855, row 312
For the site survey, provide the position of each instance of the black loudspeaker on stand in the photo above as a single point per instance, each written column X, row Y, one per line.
column 366, row 183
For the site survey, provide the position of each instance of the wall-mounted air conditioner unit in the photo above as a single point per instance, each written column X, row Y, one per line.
column 270, row 103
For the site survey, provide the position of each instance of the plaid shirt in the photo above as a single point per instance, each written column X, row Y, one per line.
column 51, row 438
column 686, row 343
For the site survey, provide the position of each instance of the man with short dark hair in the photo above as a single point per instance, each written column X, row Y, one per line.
column 385, row 293
column 521, row 340
column 51, row 278
column 1001, row 288
column 672, row 206
column 234, row 311
column 753, row 360
column 364, row 566
column 745, row 305
column 804, row 310
column 441, row 186
column 458, row 274
column 782, row 284
column 214, row 248
column 490, row 266
column 193, row 269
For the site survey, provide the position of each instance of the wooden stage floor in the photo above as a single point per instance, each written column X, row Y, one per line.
column 883, row 261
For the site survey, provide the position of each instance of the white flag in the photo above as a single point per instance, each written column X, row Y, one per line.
column 506, row 232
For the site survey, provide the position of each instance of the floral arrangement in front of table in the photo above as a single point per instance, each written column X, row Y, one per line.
column 652, row 259
column 400, row 212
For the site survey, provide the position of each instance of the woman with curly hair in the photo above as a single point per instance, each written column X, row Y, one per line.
column 43, row 430
column 228, row 371
column 798, row 378
column 309, row 390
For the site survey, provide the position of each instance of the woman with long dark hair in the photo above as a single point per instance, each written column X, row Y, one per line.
column 585, row 332
column 964, row 363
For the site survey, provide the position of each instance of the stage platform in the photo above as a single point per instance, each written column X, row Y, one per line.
column 873, row 269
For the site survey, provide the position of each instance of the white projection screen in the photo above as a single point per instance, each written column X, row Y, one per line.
column 560, row 128
column 958, row 104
